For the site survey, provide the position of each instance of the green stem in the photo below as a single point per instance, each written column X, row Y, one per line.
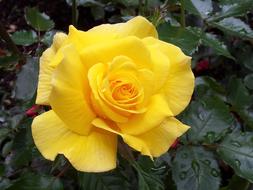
column 74, row 13
column 10, row 44
column 182, row 15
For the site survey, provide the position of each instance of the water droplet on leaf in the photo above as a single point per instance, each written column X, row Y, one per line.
column 195, row 167
column 243, row 133
column 184, row 155
column 237, row 163
column 214, row 173
column 202, row 116
column 207, row 162
column 182, row 175
column 235, row 143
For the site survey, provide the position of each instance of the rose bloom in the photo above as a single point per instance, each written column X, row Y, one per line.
column 113, row 80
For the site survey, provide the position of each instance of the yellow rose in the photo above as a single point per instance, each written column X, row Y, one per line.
column 112, row 80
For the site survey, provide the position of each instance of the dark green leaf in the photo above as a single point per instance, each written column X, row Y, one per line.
column 209, row 119
column 22, row 147
column 31, row 181
column 24, row 37
column 238, row 94
column 48, row 37
column 195, row 168
column 85, row 3
column 199, row 7
column 147, row 181
column 211, row 41
column 97, row 12
column 39, row 21
column 236, row 183
column 229, row 9
column 7, row 148
column 8, row 61
column 101, row 181
column 178, row 36
column 207, row 86
column 248, row 60
column 4, row 183
column 248, row 81
column 27, row 80
column 236, row 150
column 235, row 27
column 4, row 131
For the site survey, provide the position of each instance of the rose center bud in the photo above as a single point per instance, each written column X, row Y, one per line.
column 123, row 91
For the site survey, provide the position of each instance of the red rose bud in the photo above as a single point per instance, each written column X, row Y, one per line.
column 33, row 111
column 202, row 65
column 174, row 145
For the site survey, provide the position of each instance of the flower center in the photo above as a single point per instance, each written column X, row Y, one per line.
column 122, row 91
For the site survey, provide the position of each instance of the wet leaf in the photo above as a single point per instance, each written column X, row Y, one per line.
column 39, row 21
column 24, row 37
column 236, row 151
column 195, row 168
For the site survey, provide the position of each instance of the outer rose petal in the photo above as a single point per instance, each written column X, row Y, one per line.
column 46, row 70
column 70, row 92
column 154, row 142
column 138, row 26
column 179, row 85
column 93, row 153
column 105, row 52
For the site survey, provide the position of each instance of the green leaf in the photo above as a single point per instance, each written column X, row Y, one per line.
column 195, row 168
column 238, row 94
column 30, row 181
column 236, row 151
column 47, row 39
column 27, row 80
column 24, row 37
column 101, row 181
column 7, row 148
column 236, row 183
column 211, row 41
column 4, row 131
column 22, row 146
column 147, row 181
column 199, row 7
column 180, row 37
column 235, row 27
column 209, row 119
column 208, row 86
column 85, row 3
column 98, row 12
column 39, row 21
column 8, row 61
column 4, row 183
column 248, row 81
column 229, row 9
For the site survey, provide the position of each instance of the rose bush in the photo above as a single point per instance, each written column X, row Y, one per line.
column 113, row 80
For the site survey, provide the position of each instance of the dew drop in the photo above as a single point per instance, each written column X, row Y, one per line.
column 182, row 175
column 202, row 116
column 235, row 143
column 237, row 163
column 214, row 173
column 243, row 133
column 207, row 162
column 184, row 155
column 195, row 167
column 210, row 135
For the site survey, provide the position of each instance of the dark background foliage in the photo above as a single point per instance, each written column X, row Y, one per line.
column 215, row 154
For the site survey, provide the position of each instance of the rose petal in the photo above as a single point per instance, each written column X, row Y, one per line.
column 93, row 153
